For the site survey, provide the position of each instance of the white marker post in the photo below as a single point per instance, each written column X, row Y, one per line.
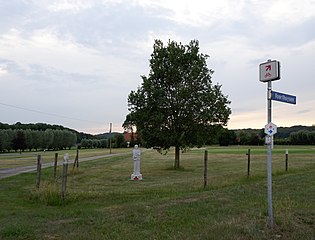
column 64, row 175
column 268, row 72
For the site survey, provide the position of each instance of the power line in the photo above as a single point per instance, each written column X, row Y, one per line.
column 49, row 114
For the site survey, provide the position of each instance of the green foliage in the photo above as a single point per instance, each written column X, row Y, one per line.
column 295, row 135
column 117, row 142
column 177, row 104
column 33, row 139
column 302, row 137
column 284, row 132
column 43, row 127
column 19, row 140
column 226, row 137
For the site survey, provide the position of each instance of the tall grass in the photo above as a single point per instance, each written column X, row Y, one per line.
column 103, row 203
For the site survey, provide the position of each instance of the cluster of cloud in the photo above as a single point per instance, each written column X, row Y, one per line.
column 82, row 58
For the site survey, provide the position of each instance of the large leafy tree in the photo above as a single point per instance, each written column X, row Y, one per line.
column 177, row 104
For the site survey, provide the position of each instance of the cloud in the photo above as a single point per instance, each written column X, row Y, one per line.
column 92, row 53
column 74, row 6
column 289, row 12
column 197, row 13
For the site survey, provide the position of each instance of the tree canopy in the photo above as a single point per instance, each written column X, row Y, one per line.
column 177, row 104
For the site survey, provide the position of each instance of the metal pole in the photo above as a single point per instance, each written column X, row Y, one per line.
column 269, row 167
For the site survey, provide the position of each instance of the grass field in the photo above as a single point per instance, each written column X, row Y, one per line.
column 27, row 158
column 102, row 203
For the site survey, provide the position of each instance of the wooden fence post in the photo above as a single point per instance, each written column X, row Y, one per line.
column 55, row 166
column 248, row 162
column 64, row 176
column 39, row 170
column 286, row 159
column 76, row 160
column 205, row 169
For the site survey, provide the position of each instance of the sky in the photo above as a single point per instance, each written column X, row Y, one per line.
column 74, row 62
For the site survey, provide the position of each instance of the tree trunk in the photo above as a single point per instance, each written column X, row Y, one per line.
column 176, row 166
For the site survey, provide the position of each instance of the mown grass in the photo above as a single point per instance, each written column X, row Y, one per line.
column 102, row 203
column 15, row 159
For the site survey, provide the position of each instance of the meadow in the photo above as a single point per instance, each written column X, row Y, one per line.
column 103, row 203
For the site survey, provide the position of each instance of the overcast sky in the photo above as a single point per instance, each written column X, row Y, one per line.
column 74, row 62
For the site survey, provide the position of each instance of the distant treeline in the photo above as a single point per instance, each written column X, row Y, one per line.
column 45, row 136
column 44, row 127
column 116, row 141
column 20, row 139
column 41, row 136
column 296, row 135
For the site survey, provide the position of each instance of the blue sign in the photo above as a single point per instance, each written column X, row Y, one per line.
column 282, row 97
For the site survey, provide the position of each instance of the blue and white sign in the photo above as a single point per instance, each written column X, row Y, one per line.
column 282, row 97
column 270, row 129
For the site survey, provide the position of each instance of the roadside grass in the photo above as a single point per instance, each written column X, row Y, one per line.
column 102, row 203
column 26, row 158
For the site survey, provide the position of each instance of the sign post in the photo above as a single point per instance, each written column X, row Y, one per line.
column 268, row 72
column 269, row 164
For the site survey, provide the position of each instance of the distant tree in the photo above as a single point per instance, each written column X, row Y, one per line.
column 177, row 104
column 302, row 137
column 29, row 139
column 89, row 143
column 37, row 137
column 119, row 141
column 95, row 143
column 70, row 139
column 19, row 141
column 103, row 143
column 48, row 139
column 226, row 137
column 3, row 139
column 84, row 143
column 254, row 139
column 10, row 134
column 4, row 126
column 311, row 138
